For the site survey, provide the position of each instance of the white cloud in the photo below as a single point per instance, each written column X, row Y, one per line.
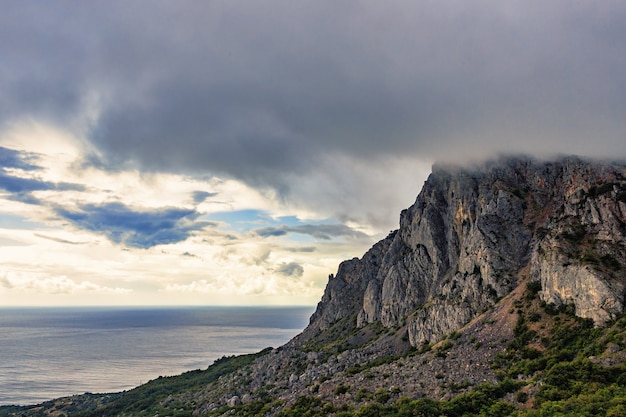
column 23, row 282
column 51, row 259
column 34, row 136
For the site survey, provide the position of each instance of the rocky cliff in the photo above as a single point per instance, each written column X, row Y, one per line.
column 473, row 233
column 484, row 301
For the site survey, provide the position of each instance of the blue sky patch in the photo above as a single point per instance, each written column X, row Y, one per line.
column 12, row 221
column 242, row 221
column 263, row 225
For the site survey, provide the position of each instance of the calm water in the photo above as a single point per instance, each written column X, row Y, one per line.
column 47, row 353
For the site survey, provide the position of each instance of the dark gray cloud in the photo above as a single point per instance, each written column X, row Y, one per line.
column 199, row 196
column 291, row 269
column 133, row 227
column 318, row 231
column 237, row 88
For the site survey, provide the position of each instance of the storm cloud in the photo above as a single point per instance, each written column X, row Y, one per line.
column 255, row 90
column 284, row 95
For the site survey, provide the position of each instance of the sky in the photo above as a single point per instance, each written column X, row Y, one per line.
column 235, row 152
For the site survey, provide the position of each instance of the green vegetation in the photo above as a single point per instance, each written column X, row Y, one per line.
column 443, row 349
column 484, row 400
column 155, row 397
column 307, row 406
column 356, row 369
column 551, row 367
column 336, row 339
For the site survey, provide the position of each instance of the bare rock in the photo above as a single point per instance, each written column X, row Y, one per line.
column 461, row 246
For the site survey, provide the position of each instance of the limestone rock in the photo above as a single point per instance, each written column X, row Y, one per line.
column 470, row 234
column 234, row 401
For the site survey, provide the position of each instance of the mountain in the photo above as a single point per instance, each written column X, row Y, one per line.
column 474, row 234
column 502, row 292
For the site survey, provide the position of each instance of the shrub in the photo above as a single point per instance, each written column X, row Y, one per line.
column 341, row 389
column 521, row 397
column 382, row 395
column 533, row 287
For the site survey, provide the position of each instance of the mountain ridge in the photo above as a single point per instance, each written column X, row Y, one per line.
column 499, row 275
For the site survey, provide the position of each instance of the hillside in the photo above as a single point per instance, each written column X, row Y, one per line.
column 501, row 292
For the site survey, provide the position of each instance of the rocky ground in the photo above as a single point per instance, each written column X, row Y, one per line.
column 385, row 365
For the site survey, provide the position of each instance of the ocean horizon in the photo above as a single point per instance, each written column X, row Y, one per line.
column 51, row 352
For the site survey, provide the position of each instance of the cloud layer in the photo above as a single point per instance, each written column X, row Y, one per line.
column 105, row 236
column 255, row 91
column 246, row 148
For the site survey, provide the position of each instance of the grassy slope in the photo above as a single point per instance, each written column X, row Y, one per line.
column 146, row 400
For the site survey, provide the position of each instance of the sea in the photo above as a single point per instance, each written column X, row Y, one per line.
column 47, row 353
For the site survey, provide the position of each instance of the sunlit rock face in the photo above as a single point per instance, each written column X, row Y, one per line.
column 474, row 233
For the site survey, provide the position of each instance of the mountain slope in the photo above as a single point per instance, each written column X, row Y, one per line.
column 503, row 289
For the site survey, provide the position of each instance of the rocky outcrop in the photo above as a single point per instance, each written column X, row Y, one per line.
column 343, row 295
column 462, row 245
column 580, row 260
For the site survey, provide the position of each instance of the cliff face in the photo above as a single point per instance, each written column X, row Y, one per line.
column 473, row 233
